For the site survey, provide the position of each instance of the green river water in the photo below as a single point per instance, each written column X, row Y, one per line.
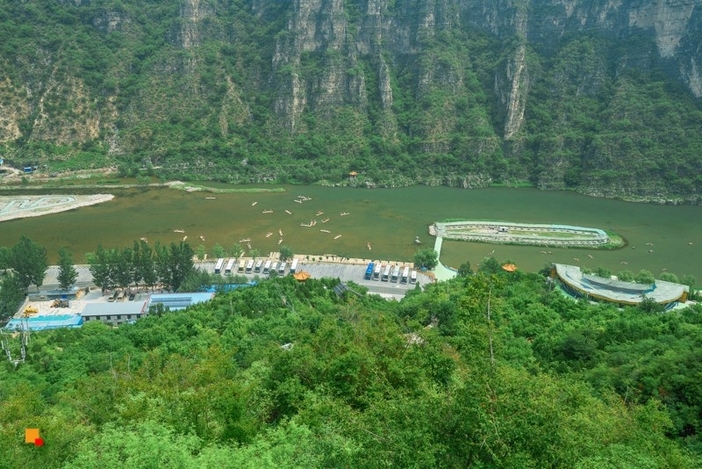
column 388, row 219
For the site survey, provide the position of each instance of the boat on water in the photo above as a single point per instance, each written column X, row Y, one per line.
column 343, row 214
column 320, row 213
column 288, row 212
column 416, row 240
column 144, row 239
column 268, row 211
column 245, row 240
column 179, row 231
column 280, row 232
column 185, row 237
column 248, row 245
column 280, row 240
column 254, row 204
column 202, row 238
column 337, row 236
column 210, row 197
column 298, row 201
column 269, row 234
column 369, row 246
column 325, row 231
column 325, row 220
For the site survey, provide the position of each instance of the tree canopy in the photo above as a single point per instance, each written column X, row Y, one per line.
column 488, row 370
column 29, row 262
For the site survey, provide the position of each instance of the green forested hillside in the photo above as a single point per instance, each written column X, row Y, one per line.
column 495, row 371
column 402, row 91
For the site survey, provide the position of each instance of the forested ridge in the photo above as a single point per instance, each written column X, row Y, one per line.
column 481, row 371
column 594, row 98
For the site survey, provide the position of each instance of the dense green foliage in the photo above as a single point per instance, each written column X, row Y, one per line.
column 170, row 265
column 482, row 371
column 67, row 273
column 170, row 89
column 426, row 258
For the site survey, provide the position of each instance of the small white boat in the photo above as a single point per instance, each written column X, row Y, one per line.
column 343, row 214
column 337, row 236
column 369, row 246
column 254, row 204
column 202, row 238
column 280, row 232
column 320, row 213
column 288, row 212
column 144, row 239
column 268, row 211
column 179, row 231
column 185, row 237
column 325, row 220
column 269, row 234
column 280, row 240
column 298, row 201
column 325, row 231
column 210, row 198
column 245, row 240
column 248, row 245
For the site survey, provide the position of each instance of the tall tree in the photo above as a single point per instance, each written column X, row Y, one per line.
column 11, row 295
column 5, row 257
column 29, row 262
column 286, row 253
column 67, row 273
column 464, row 269
column 218, row 251
column 146, row 270
column 101, row 267
column 426, row 258
column 124, row 267
column 181, row 264
column 237, row 250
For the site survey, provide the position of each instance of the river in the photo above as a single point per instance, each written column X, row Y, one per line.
column 658, row 237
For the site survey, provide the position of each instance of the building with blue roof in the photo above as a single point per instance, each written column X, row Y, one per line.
column 45, row 323
column 178, row 301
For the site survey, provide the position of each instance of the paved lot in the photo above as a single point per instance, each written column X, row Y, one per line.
column 343, row 271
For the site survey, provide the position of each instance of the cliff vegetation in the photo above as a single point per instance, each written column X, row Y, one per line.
column 600, row 97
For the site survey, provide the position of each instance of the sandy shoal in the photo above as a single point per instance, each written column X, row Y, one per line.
column 80, row 201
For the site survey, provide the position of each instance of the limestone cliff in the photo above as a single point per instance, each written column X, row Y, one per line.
column 439, row 91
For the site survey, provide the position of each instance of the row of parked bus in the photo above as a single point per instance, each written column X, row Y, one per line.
column 261, row 266
column 388, row 273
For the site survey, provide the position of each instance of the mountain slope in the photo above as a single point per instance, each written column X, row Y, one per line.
column 597, row 96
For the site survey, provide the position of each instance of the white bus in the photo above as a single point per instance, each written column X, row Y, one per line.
column 274, row 267
column 257, row 267
column 377, row 271
column 229, row 267
column 395, row 274
column 242, row 266
column 293, row 266
column 267, row 267
column 413, row 277
column 386, row 273
column 281, row 269
column 218, row 266
column 249, row 266
column 405, row 275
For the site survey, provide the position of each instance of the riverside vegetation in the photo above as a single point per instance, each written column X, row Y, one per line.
column 486, row 370
column 243, row 91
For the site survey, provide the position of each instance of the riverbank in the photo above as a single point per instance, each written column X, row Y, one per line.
column 107, row 177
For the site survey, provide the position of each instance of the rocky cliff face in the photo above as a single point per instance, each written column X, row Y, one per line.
column 440, row 90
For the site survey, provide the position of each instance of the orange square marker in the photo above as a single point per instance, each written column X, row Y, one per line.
column 31, row 435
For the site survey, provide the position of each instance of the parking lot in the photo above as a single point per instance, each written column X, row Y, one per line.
column 344, row 271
